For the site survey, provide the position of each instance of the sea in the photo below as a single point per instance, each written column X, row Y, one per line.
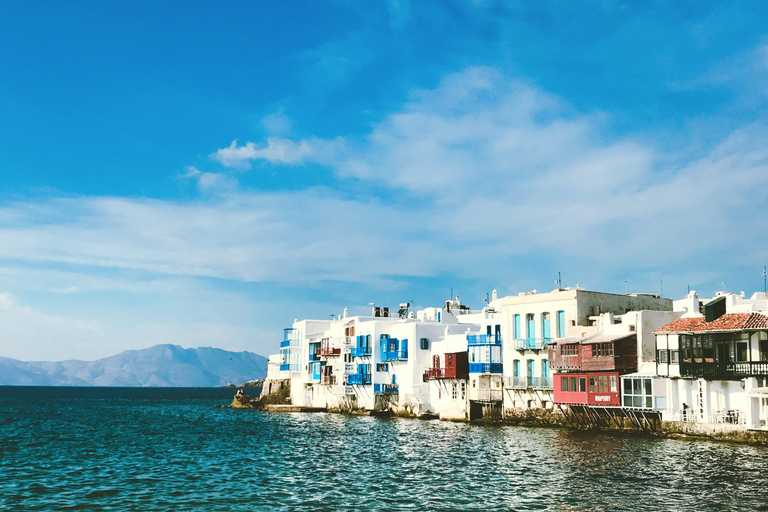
column 174, row 450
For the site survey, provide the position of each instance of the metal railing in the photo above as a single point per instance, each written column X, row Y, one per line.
column 434, row 373
column 489, row 395
column 330, row 351
column 387, row 389
column 290, row 367
column 394, row 355
column 358, row 379
column 485, row 367
column 360, row 351
column 528, row 383
column 532, row 343
column 483, row 339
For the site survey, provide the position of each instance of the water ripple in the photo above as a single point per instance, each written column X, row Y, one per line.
column 159, row 453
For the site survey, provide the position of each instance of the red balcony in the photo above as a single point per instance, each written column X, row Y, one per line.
column 330, row 351
column 455, row 367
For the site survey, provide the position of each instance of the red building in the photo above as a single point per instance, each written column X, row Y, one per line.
column 455, row 366
column 588, row 369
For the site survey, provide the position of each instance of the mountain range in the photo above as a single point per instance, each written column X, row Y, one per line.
column 158, row 366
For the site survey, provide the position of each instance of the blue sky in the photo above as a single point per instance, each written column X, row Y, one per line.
column 204, row 173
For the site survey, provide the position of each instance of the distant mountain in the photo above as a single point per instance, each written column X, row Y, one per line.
column 158, row 366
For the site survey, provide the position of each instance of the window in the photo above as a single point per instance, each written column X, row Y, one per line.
column 637, row 392
column 582, row 384
column 741, row 351
column 516, row 327
column 612, row 380
column 593, row 384
column 764, row 350
column 569, row 350
column 661, row 356
column 455, row 391
column 674, row 356
column 347, row 357
column 563, row 383
column 424, row 344
column 381, row 367
column 602, row 384
column 463, row 390
column 602, row 350
column 574, row 384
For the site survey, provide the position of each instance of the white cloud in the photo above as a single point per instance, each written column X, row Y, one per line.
column 279, row 151
column 277, row 124
column 207, row 181
column 466, row 180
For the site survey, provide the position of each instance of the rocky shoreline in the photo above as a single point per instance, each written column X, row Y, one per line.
column 275, row 396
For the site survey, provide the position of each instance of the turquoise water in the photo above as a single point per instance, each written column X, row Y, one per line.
column 170, row 449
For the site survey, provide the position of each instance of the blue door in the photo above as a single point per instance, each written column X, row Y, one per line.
column 545, row 330
column 560, row 324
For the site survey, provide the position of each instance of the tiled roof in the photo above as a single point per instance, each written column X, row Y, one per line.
column 594, row 338
column 729, row 322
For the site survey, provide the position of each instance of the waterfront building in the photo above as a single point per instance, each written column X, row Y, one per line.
column 453, row 362
column 375, row 362
column 536, row 320
column 715, row 365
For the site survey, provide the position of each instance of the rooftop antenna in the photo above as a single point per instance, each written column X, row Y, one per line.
column 487, row 297
column 723, row 283
column 625, row 286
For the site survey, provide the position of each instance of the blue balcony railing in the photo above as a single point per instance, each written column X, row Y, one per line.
column 360, row 351
column 359, row 379
column 532, row 343
column 483, row 339
column 290, row 367
column 485, row 367
column 528, row 382
column 394, row 355
column 385, row 389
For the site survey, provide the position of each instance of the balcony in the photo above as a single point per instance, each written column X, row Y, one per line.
column 329, row 351
column 724, row 370
column 358, row 379
column 489, row 395
column 314, row 356
column 290, row 367
column 328, row 380
column 360, row 351
column 532, row 343
column 291, row 338
column 528, row 383
column 385, row 389
column 434, row 373
column 394, row 355
column 485, row 367
column 483, row 339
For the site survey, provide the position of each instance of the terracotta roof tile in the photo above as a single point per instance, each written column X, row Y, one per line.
column 729, row 322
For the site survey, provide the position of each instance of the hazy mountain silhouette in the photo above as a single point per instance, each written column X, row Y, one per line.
column 158, row 366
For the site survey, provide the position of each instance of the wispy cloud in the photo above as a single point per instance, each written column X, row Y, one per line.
column 481, row 161
column 207, row 181
column 277, row 151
